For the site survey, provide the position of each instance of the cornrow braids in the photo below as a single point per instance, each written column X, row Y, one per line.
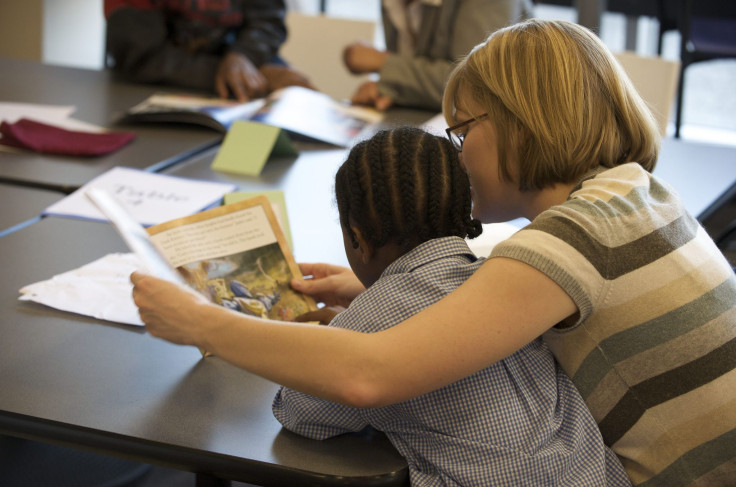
column 405, row 186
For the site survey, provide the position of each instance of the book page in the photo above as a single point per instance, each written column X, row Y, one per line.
column 230, row 233
column 237, row 256
column 315, row 115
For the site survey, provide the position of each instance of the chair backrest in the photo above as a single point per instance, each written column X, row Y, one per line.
column 719, row 9
column 314, row 46
column 708, row 30
column 656, row 81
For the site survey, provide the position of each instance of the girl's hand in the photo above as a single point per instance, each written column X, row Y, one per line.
column 168, row 310
column 329, row 284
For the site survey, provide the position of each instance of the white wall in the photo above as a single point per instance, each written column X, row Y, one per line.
column 20, row 29
column 66, row 32
column 74, row 33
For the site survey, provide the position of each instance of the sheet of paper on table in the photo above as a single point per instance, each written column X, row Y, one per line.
column 58, row 115
column 100, row 289
column 152, row 198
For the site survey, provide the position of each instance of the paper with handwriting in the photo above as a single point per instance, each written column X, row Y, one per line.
column 150, row 197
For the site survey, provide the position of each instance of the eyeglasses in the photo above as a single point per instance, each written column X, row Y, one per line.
column 457, row 138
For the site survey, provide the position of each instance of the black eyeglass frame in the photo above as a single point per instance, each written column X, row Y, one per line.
column 461, row 137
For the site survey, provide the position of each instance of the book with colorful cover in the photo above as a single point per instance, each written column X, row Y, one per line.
column 236, row 255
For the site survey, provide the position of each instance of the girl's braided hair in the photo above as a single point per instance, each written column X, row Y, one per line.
column 405, row 186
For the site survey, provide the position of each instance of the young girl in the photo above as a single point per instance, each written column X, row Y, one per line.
column 633, row 297
column 518, row 421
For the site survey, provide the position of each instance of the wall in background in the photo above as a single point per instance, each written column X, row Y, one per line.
column 21, row 29
column 66, row 32
column 74, row 33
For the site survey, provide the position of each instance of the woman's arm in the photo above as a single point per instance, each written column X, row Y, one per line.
column 503, row 306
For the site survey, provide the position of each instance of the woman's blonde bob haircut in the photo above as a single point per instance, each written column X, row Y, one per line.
column 558, row 100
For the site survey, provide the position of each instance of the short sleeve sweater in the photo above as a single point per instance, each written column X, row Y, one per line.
column 653, row 349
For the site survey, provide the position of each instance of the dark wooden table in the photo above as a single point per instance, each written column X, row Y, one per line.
column 98, row 99
column 20, row 205
column 114, row 389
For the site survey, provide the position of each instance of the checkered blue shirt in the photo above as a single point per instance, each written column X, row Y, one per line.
column 517, row 422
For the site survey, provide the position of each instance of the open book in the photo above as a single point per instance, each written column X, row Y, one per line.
column 235, row 254
column 300, row 111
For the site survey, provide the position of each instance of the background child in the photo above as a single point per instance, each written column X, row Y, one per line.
column 423, row 42
column 404, row 204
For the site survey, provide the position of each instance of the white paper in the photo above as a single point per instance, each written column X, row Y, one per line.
column 232, row 233
column 57, row 115
column 436, row 125
column 150, row 197
column 100, row 289
column 493, row 233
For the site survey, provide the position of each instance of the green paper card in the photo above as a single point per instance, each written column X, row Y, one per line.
column 248, row 145
column 278, row 203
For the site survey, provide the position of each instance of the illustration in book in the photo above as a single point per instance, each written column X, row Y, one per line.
column 235, row 254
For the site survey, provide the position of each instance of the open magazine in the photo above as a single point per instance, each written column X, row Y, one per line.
column 235, row 254
column 300, row 111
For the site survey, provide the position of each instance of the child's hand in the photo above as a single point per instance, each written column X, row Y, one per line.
column 332, row 285
column 361, row 57
column 237, row 74
column 367, row 94
column 279, row 77
column 322, row 316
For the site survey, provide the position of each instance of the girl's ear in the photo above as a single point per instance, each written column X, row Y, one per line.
column 365, row 248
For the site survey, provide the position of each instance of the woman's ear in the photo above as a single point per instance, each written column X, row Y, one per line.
column 365, row 248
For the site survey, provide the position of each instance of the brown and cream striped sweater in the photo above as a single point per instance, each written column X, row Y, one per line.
column 653, row 351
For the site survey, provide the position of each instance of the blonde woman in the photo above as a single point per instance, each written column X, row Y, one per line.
column 630, row 293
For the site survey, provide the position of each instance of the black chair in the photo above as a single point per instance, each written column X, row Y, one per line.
column 668, row 14
column 708, row 31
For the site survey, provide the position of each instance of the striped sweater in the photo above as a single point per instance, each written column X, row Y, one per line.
column 653, row 349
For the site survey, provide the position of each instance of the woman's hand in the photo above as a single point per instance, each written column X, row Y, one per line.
column 332, row 285
column 168, row 310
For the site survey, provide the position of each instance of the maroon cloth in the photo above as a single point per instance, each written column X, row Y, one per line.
column 40, row 137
